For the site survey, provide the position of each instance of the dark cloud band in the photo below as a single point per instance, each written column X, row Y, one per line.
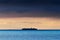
column 29, row 8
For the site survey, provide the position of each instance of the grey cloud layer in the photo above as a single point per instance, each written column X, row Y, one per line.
column 30, row 11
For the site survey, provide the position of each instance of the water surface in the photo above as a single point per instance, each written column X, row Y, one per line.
column 29, row 35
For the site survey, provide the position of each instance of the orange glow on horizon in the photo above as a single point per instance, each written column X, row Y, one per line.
column 28, row 22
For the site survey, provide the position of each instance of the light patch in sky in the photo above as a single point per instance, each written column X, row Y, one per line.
column 29, row 22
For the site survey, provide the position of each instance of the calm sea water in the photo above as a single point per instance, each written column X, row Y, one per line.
column 30, row 35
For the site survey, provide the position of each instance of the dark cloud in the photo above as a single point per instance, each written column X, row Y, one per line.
column 30, row 2
column 30, row 8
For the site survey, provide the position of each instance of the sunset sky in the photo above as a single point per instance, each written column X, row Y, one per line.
column 17, row 14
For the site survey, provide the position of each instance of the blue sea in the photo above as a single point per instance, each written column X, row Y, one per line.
column 29, row 35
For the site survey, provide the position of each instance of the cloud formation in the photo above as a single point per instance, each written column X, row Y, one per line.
column 29, row 8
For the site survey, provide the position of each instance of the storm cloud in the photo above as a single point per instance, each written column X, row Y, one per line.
column 30, row 8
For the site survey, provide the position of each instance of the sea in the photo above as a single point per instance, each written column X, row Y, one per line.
column 29, row 34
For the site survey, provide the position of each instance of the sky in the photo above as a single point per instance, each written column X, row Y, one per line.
column 30, row 8
column 41, row 14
